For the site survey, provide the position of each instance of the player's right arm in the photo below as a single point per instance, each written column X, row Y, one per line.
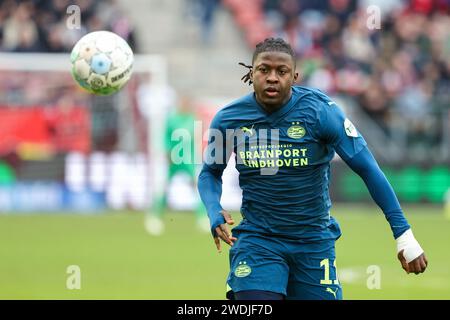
column 210, row 183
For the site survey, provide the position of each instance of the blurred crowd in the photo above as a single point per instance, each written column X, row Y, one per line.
column 48, row 25
column 52, row 26
column 391, row 59
column 397, row 60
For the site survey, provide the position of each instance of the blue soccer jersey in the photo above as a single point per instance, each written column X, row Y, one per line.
column 283, row 159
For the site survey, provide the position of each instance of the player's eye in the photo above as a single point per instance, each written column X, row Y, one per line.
column 262, row 69
column 282, row 72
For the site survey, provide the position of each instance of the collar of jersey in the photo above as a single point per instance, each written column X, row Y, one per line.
column 274, row 117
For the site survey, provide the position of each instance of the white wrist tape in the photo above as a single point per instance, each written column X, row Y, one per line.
column 409, row 244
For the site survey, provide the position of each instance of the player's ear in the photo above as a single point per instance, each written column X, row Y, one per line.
column 295, row 77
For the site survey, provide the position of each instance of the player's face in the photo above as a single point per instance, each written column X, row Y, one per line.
column 273, row 76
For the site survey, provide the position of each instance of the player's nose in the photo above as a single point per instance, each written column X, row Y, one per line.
column 272, row 77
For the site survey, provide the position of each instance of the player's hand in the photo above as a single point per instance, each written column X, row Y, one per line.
column 410, row 253
column 417, row 266
column 223, row 233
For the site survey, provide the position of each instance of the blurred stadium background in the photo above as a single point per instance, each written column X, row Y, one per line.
column 78, row 172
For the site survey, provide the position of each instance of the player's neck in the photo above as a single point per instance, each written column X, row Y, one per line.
column 271, row 108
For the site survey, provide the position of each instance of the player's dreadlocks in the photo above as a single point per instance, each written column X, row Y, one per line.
column 268, row 45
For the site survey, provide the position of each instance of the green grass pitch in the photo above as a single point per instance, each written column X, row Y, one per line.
column 119, row 260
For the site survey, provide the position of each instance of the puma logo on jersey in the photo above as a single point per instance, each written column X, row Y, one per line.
column 332, row 292
column 250, row 131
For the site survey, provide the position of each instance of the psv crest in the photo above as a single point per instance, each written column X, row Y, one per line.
column 296, row 131
column 242, row 270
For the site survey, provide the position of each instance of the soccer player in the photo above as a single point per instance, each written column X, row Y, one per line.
column 284, row 137
column 182, row 119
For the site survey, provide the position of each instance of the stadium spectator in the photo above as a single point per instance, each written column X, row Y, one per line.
column 20, row 32
column 202, row 13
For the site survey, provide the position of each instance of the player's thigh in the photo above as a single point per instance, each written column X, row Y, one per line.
column 313, row 273
column 257, row 263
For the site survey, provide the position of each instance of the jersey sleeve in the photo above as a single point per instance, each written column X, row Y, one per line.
column 338, row 131
column 210, row 178
column 216, row 154
column 365, row 165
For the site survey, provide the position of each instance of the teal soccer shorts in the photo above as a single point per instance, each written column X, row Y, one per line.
column 293, row 268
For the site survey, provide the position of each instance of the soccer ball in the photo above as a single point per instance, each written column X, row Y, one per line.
column 102, row 62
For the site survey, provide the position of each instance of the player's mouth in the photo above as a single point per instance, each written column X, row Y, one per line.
column 271, row 92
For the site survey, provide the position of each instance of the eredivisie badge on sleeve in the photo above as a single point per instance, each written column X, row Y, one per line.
column 350, row 129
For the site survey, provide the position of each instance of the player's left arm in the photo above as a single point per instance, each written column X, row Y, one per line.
column 410, row 253
column 352, row 148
